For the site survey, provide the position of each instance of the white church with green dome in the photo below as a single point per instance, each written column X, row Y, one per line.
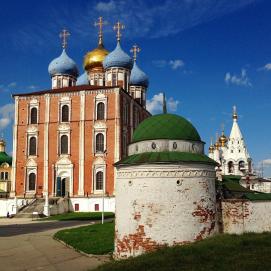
column 165, row 188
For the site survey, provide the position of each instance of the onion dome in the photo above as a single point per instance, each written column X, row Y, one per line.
column 138, row 77
column 82, row 79
column 95, row 57
column 118, row 58
column 211, row 148
column 63, row 65
column 166, row 126
column 223, row 139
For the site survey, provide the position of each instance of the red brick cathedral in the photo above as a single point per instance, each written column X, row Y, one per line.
column 66, row 139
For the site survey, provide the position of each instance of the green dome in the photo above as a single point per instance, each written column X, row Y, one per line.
column 165, row 126
column 4, row 158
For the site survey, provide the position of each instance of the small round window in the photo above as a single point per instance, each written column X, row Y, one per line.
column 175, row 146
column 153, row 145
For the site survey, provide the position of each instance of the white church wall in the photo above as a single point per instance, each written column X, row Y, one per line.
column 9, row 206
column 241, row 216
column 159, row 205
column 88, row 204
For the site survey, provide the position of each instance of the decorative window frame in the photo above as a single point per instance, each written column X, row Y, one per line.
column 66, row 100
column 60, row 134
column 29, row 135
column 97, row 168
column 99, row 131
column 98, row 99
column 30, row 170
column 33, row 103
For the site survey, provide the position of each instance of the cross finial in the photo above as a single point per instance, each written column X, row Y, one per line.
column 64, row 34
column 135, row 49
column 100, row 24
column 222, row 127
column 117, row 27
column 234, row 113
column 212, row 141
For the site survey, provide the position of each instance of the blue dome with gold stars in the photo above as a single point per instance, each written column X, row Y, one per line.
column 138, row 77
column 118, row 58
column 63, row 65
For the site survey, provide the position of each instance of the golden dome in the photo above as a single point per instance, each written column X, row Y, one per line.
column 211, row 148
column 95, row 57
column 223, row 139
column 217, row 145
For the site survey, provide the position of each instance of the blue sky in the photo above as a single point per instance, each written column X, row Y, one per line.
column 207, row 55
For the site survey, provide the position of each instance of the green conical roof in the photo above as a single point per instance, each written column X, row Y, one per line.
column 166, row 126
column 4, row 158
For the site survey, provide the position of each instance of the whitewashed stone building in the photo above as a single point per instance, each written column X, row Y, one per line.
column 165, row 188
column 231, row 152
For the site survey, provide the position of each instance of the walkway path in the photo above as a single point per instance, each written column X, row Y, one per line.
column 27, row 246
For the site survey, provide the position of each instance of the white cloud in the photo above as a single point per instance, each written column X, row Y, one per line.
column 266, row 67
column 266, row 162
column 6, row 115
column 7, row 87
column 155, row 104
column 105, row 6
column 12, row 85
column 173, row 64
column 239, row 80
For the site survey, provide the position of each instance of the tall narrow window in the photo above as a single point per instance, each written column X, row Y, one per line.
column 124, row 146
column 241, row 165
column 2, row 175
column 6, row 175
column 100, row 111
column 99, row 142
column 125, row 81
column 65, row 113
column 32, row 146
column 64, row 144
column 34, row 116
column 114, row 79
column 99, row 180
column 32, row 181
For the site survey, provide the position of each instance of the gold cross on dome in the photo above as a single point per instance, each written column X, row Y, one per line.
column 135, row 49
column 100, row 24
column 117, row 27
column 64, row 34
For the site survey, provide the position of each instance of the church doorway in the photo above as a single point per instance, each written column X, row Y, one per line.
column 62, row 187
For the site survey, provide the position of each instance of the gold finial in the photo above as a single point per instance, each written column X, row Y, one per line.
column 100, row 24
column 135, row 49
column 211, row 148
column 117, row 27
column 234, row 113
column 217, row 144
column 64, row 34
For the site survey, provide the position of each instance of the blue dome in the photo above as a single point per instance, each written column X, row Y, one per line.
column 118, row 58
column 138, row 77
column 82, row 79
column 63, row 65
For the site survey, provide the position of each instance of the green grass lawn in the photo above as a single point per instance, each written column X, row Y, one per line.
column 93, row 239
column 80, row 216
column 248, row 252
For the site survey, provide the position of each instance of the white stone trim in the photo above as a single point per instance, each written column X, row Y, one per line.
column 162, row 145
column 14, row 154
column 65, row 100
column 101, row 98
column 30, row 170
column 96, row 168
column 81, row 144
column 46, row 145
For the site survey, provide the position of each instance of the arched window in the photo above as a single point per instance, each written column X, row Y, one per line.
column 99, row 142
column 99, row 180
column 34, row 116
column 65, row 113
column 241, row 165
column 114, row 79
column 32, row 181
column 32, row 146
column 64, row 144
column 100, row 111
column 230, row 167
